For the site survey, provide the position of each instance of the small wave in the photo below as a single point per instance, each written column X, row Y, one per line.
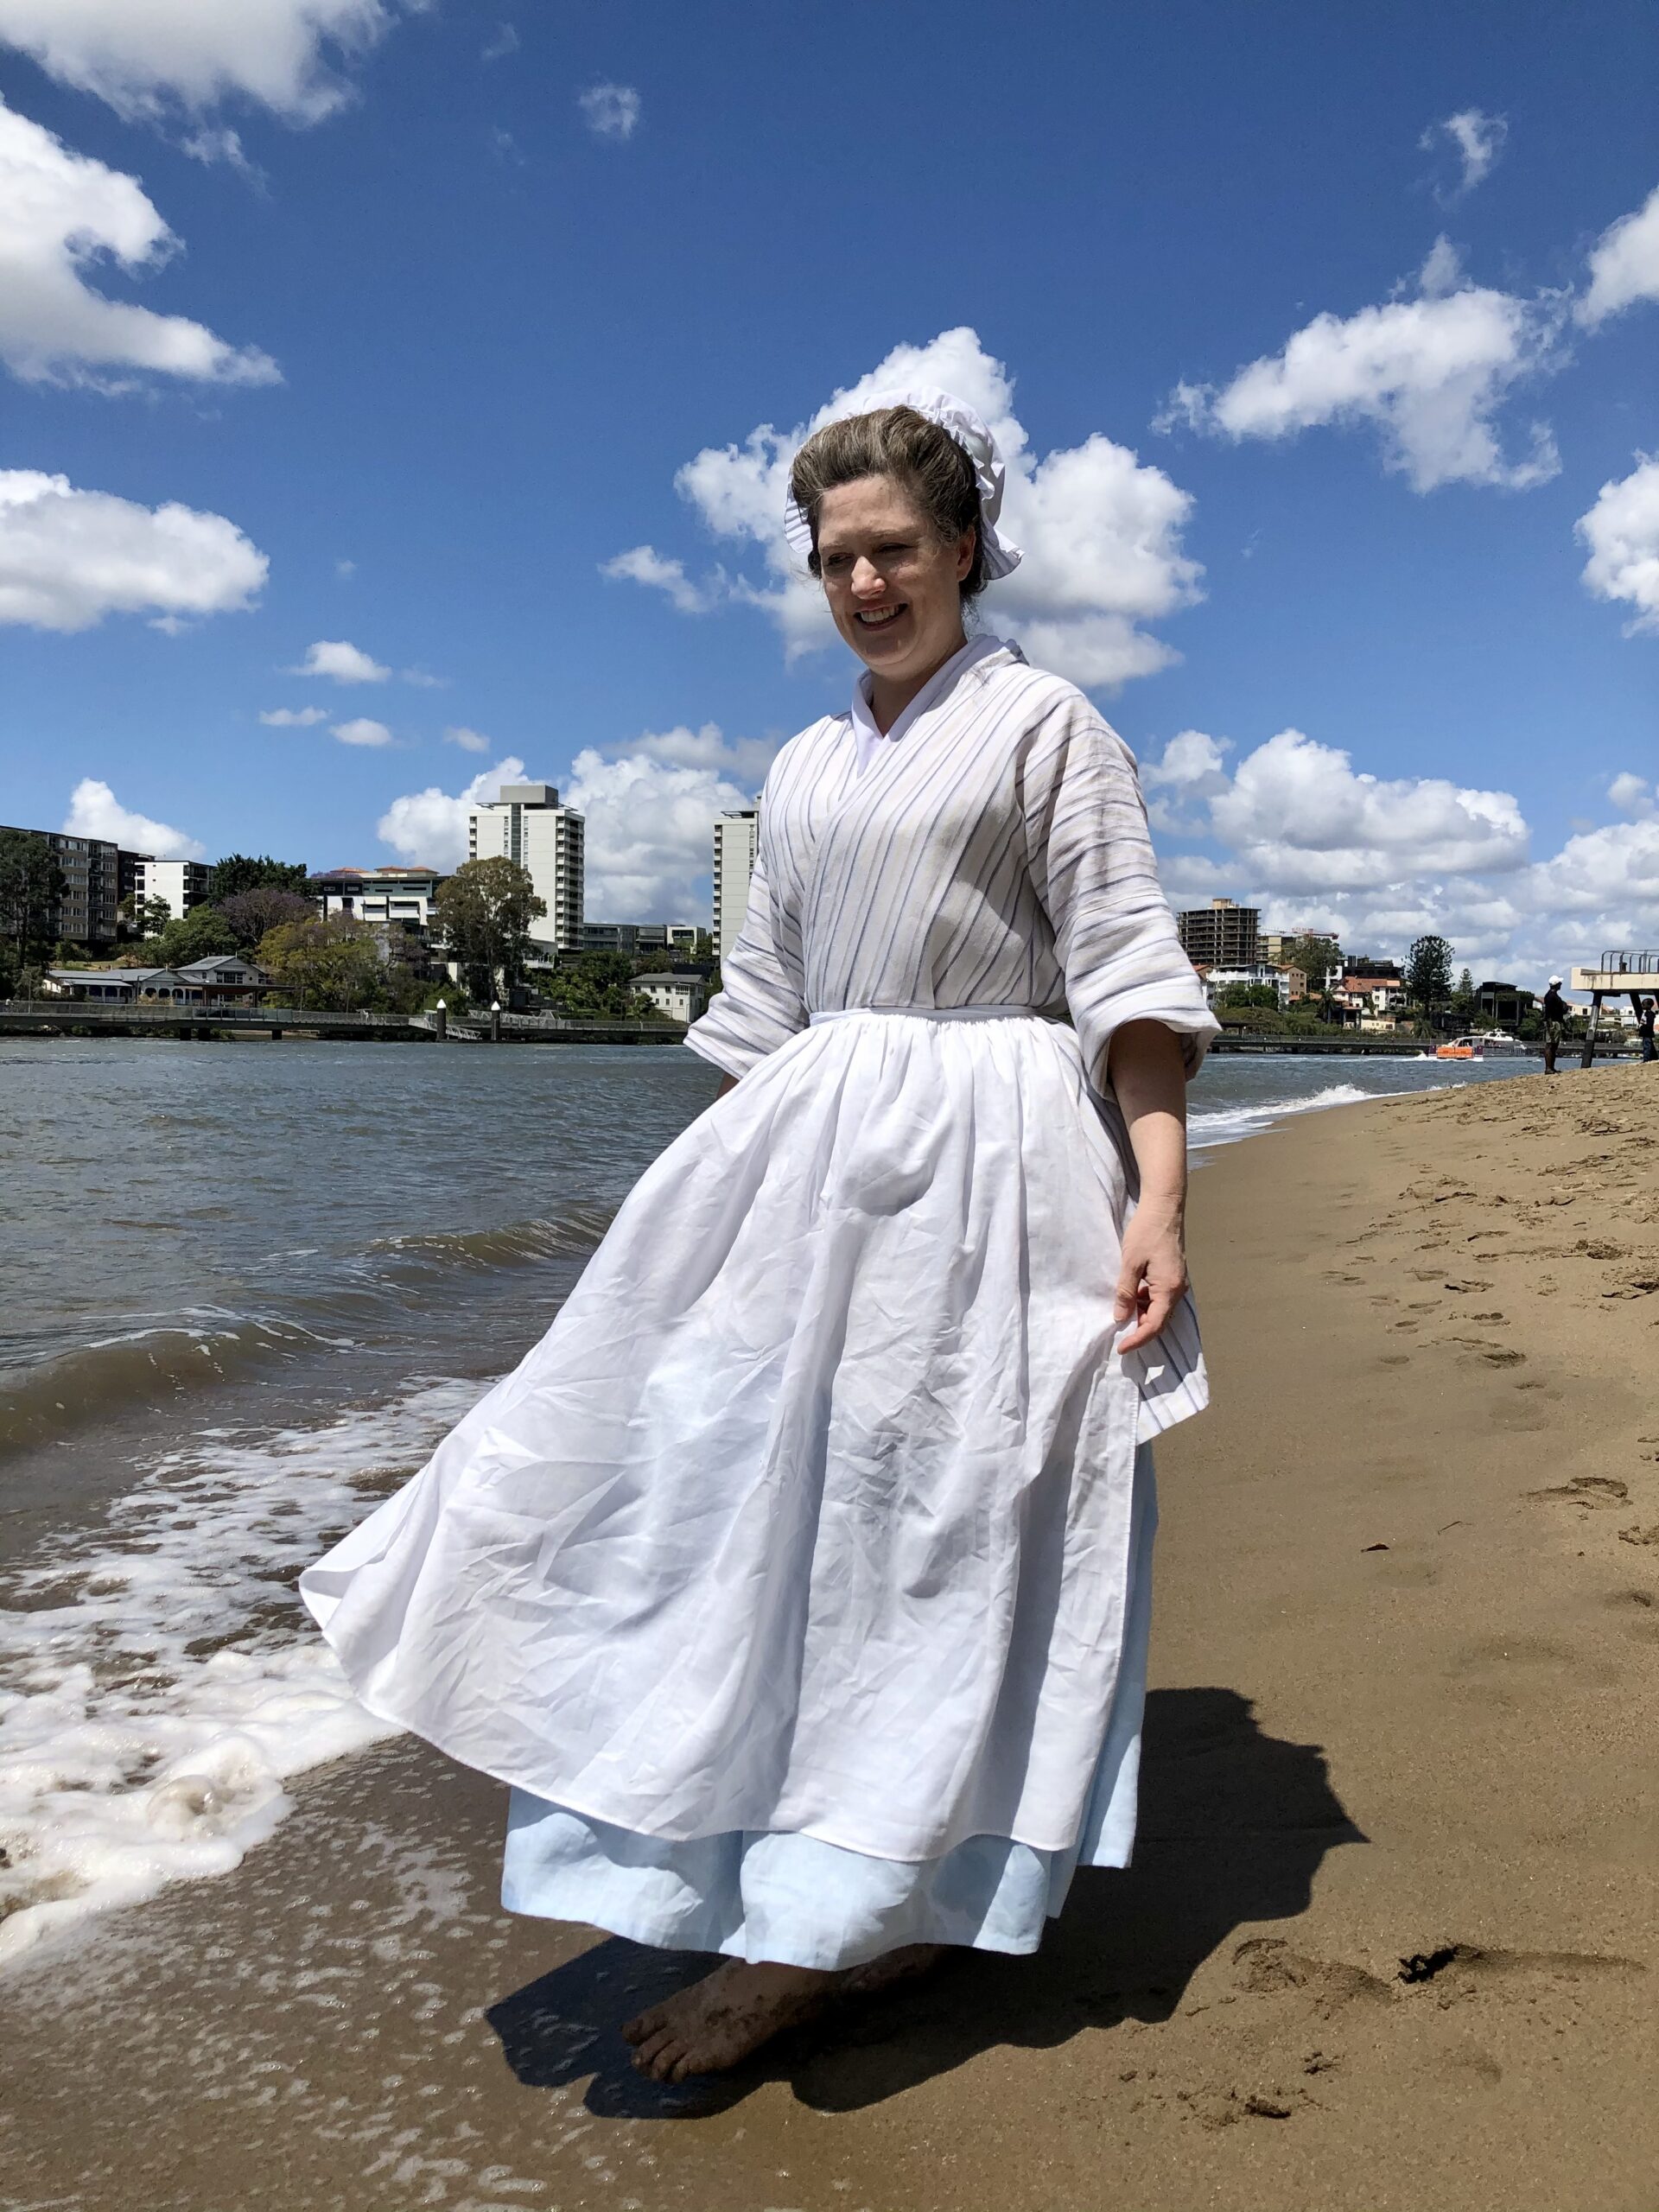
column 1224, row 1125
column 159, row 1679
column 88, row 1384
column 572, row 1235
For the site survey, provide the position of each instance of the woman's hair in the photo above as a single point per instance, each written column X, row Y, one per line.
column 898, row 442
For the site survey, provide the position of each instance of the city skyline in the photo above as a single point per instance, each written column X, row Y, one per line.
column 349, row 473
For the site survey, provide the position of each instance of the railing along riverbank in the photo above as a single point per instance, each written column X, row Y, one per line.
column 77, row 1018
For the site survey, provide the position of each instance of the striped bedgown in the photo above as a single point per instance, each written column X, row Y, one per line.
column 797, row 1579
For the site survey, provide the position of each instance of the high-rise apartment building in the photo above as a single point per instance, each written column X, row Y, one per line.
column 527, row 824
column 1221, row 935
column 737, row 846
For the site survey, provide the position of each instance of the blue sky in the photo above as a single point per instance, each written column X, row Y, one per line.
column 1325, row 339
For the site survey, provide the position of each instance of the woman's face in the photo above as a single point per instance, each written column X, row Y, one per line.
column 893, row 587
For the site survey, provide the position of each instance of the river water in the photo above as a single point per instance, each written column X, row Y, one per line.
column 244, row 1290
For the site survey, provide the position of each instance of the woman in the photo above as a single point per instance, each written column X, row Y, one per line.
column 798, row 1580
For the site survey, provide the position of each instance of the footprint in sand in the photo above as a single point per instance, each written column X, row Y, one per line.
column 1589, row 1491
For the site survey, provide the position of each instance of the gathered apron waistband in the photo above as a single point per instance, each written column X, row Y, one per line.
column 936, row 1012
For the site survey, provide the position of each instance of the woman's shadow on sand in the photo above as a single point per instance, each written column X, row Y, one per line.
column 1234, row 1824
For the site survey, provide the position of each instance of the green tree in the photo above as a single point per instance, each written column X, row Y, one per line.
column 31, row 888
column 237, row 872
column 1316, row 957
column 1243, row 995
column 486, row 909
column 1428, row 973
column 195, row 936
column 336, row 964
column 600, row 983
column 1463, row 999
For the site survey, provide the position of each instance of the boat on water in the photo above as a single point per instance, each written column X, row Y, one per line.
column 1481, row 1045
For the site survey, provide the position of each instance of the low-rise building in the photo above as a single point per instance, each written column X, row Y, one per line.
column 1363, row 993
column 1507, row 1004
column 683, row 998
column 1255, row 974
column 225, row 979
column 632, row 939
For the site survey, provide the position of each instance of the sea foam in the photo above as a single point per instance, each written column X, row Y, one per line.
column 159, row 1679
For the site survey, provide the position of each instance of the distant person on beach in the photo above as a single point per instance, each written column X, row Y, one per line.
column 1644, row 1029
column 1555, row 1010
column 798, row 1582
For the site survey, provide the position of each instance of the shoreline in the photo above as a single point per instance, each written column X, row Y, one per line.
column 1405, row 1663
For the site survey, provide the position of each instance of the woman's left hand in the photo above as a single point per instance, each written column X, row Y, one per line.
column 1152, row 1278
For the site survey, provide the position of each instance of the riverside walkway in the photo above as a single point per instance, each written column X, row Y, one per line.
column 76, row 1018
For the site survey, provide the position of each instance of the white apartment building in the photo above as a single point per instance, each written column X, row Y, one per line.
column 401, row 897
column 527, row 824
column 737, row 844
column 181, row 883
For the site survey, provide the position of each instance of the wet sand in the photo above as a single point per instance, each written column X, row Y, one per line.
column 1390, row 1938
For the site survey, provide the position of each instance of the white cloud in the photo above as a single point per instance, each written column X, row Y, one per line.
column 210, row 144
column 145, row 57
column 1301, row 819
column 644, row 564
column 649, row 833
column 1430, row 374
column 1624, row 264
column 428, row 827
column 361, row 731
column 1621, row 530
column 94, row 812
column 1101, row 531
column 340, row 662
column 345, row 570
column 423, row 679
column 505, row 41
column 469, row 740
column 1297, row 831
column 59, row 212
column 1478, row 138
column 612, row 110
column 295, row 717
column 68, row 558
column 745, row 758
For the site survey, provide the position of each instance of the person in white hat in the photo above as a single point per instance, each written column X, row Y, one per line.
column 797, row 1582
column 1555, row 1010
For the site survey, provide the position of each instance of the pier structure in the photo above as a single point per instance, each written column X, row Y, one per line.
column 1634, row 973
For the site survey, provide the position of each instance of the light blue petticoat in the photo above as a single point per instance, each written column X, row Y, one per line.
column 801, row 1901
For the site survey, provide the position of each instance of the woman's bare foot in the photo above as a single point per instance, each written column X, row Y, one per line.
column 720, row 2020
column 903, row 1965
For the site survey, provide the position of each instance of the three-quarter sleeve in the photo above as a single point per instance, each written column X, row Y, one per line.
column 759, row 1006
column 1090, row 854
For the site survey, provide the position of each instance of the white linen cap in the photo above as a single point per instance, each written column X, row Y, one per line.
column 955, row 416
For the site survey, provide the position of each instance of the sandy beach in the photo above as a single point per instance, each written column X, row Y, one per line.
column 1390, row 1940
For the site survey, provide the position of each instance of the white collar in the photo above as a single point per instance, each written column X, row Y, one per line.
column 867, row 737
